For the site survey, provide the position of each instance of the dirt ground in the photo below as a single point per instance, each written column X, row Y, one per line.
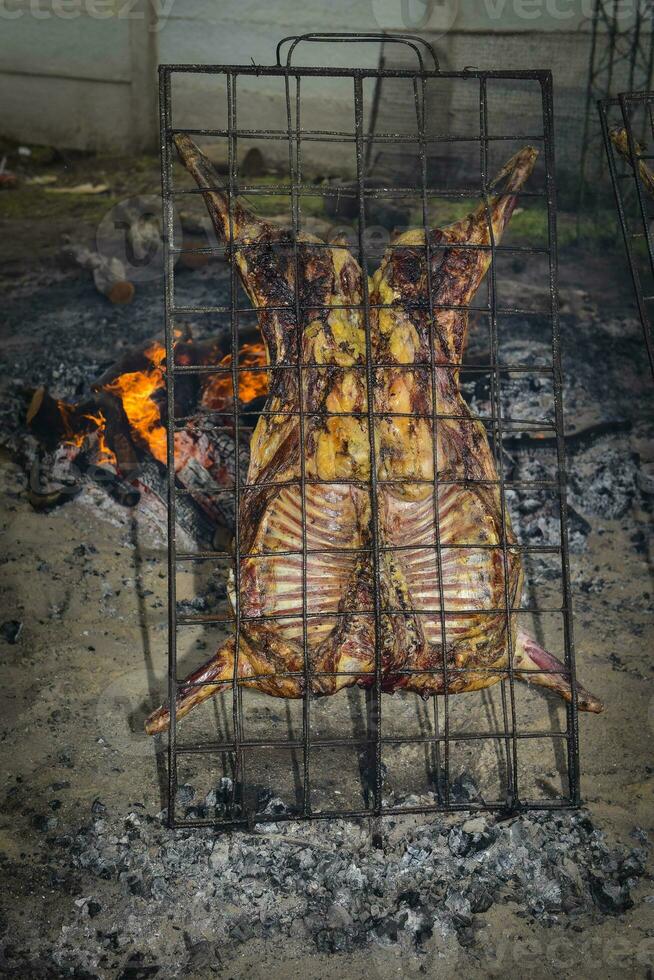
column 87, row 581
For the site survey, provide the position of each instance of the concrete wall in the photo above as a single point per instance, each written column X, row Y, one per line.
column 89, row 81
column 483, row 33
column 78, row 74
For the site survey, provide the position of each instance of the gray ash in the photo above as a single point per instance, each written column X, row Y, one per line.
column 604, row 481
column 324, row 883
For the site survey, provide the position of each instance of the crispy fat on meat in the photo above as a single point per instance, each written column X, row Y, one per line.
column 433, row 634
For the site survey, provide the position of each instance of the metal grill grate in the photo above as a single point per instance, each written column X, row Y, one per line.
column 625, row 122
column 373, row 737
column 621, row 55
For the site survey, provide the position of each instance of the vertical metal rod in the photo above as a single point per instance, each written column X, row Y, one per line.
column 370, row 389
column 634, row 159
column 589, row 99
column 631, row 259
column 650, row 52
column 238, row 788
column 421, row 121
column 512, row 772
column 495, row 395
column 169, row 302
column 437, row 750
column 635, row 46
column 613, row 35
column 294, row 163
column 507, row 736
column 374, row 111
column 572, row 709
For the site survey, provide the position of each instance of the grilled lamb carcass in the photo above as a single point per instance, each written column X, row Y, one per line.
column 430, row 638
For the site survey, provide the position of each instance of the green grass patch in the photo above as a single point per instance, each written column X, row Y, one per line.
column 30, row 202
column 279, row 205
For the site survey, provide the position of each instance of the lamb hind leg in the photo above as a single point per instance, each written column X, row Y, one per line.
column 550, row 672
column 214, row 676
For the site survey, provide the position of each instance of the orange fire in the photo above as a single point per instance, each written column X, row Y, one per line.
column 105, row 453
column 217, row 394
column 135, row 390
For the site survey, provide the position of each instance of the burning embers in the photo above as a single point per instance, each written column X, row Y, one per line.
column 217, row 393
column 119, row 431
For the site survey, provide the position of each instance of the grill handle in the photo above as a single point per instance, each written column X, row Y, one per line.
column 410, row 40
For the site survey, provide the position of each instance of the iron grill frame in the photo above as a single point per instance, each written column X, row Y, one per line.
column 636, row 110
column 375, row 739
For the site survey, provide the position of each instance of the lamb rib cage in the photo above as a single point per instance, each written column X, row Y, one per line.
column 443, row 738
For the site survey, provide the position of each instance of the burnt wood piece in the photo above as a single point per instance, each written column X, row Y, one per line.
column 55, row 422
column 206, row 469
column 48, row 418
column 109, row 274
column 132, row 361
column 188, row 387
column 136, row 359
column 152, row 484
column 94, row 464
column 118, row 433
column 54, row 477
column 58, row 476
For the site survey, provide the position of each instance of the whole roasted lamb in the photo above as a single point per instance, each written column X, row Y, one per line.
column 317, row 526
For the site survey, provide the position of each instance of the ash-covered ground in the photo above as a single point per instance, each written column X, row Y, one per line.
column 430, row 887
column 95, row 885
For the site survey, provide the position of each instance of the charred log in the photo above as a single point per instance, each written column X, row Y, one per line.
column 54, row 478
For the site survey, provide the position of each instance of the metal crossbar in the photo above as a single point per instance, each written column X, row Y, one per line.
column 443, row 734
column 633, row 113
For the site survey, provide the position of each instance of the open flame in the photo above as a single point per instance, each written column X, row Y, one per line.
column 136, row 391
column 217, row 394
column 105, row 454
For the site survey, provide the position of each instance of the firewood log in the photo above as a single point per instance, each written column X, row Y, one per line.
column 109, row 274
column 117, row 432
column 54, row 477
column 47, row 417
